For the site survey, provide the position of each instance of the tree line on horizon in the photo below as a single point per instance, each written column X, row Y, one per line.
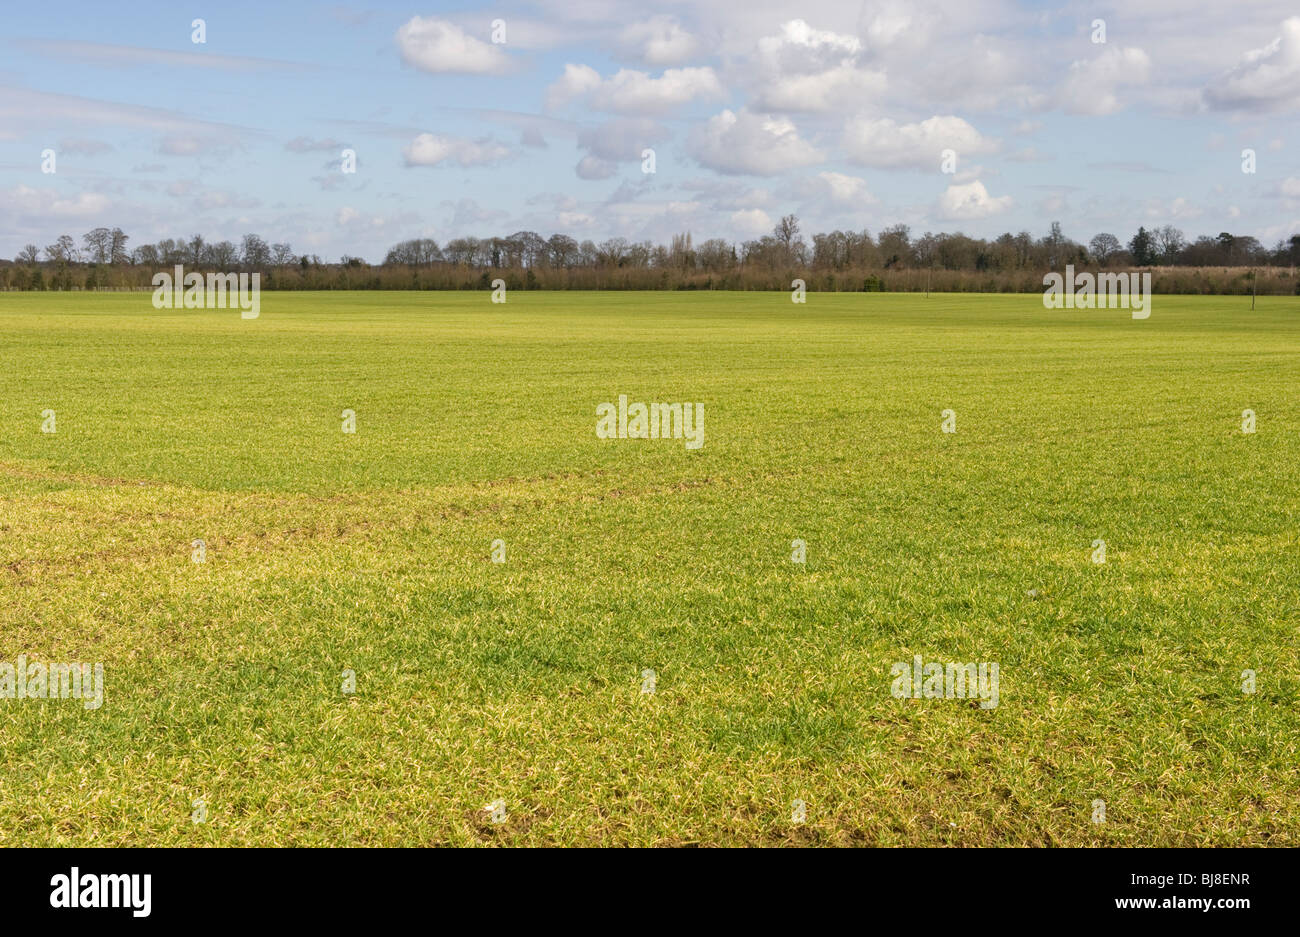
column 836, row 260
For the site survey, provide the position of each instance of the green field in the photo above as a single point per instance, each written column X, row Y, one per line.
column 522, row 680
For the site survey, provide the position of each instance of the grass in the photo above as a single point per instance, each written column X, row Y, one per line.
column 522, row 680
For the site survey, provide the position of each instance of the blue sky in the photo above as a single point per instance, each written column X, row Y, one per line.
column 836, row 111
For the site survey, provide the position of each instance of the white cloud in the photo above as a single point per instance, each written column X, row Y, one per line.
column 40, row 204
column 972, row 173
column 467, row 214
column 841, row 189
column 887, row 145
column 726, row 195
column 433, row 150
column 1289, row 191
column 888, row 22
column 594, row 168
column 577, row 80
column 753, row 221
column 1264, row 79
column 745, row 142
column 1055, row 204
column 188, row 144
column 622, row 139
column 633, row 92
column 435, row 45
column 84, row 147
column 968, row 202
column 1180, row 208
column 801, row 49
column 1177, row 209
column 24, row 108
column 1092, row 85
column 806, row 69
column 660, row 40
column 308, row 145
column 822, row 91
column 102, row 53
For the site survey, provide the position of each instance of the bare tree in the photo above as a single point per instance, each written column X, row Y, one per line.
column 786, row 230
column 1169, row 243
column 681, row 253
column 64, row 250
column 612, row 253
column 99, row 245
column 715, row 255
column 117, row 252
column 895, row 245
column 1104, row 246
column 526, row 248
column 223, row 254
column 254, row 252
column 563, row 250
column 462, row 250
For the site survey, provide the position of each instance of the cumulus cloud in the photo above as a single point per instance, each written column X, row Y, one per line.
column 1182, row 208
column 593, row 168
column 466, row 214
column 434, row 45
column 1092, row 85
column 435, row 150
column 968, row 202
column 576, row 81
column 806, row 69
column 837, row 189
column 42, row 204
column 616, row 141
column 633, row 92
column 1289, row 191
column 822, row 91
column 753, row 221
column 659, row 41
column 800, row 45
column 885, row 144
column 1177, row 209
column 622, row 139
column 1264, row 79
column 745, row 142
column 890, row 22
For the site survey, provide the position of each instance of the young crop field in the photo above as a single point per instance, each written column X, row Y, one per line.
column 361, row 571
